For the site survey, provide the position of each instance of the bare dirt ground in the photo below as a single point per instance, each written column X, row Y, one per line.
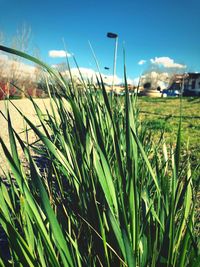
column 18, row 123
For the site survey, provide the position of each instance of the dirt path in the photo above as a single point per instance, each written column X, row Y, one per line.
column 17, row 121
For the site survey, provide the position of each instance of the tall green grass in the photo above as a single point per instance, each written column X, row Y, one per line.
column 107, row 196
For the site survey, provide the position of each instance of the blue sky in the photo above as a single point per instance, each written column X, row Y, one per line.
column 159, row 32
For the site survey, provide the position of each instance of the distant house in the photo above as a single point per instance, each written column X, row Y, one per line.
column 189, row 82
column 192, row 84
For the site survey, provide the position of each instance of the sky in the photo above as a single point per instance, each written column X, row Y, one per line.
column 156, row 34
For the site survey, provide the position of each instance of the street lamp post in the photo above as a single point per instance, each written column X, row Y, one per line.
column 114, row 36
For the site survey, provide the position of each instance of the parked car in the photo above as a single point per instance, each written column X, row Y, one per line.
column 170, row 92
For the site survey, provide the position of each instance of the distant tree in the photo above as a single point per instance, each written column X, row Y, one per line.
column 14, row 72
column 62, row 67
column 21, row 41
column 158, row 75
column 147, row 85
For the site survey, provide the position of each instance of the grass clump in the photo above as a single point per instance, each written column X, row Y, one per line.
column 107, row 196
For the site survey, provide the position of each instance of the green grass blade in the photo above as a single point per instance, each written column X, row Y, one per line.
column 118, row 233
column 57, row 232
column 19, row 245
column 105, row 180
column 35, row 213
column 129, row 252
column 148, row 164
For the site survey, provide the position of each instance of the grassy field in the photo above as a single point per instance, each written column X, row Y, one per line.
column 164, row 114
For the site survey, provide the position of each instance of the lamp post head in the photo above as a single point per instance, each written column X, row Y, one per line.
column 112, row 35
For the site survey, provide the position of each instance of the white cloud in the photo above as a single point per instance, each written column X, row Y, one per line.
column 85, row 72
column 58, row 53
column 109, row 79
column 142, row 62
column 90, row 74
column 167, row 62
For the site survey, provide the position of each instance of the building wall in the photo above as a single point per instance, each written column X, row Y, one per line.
column 192, row 85
column 198, row 83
